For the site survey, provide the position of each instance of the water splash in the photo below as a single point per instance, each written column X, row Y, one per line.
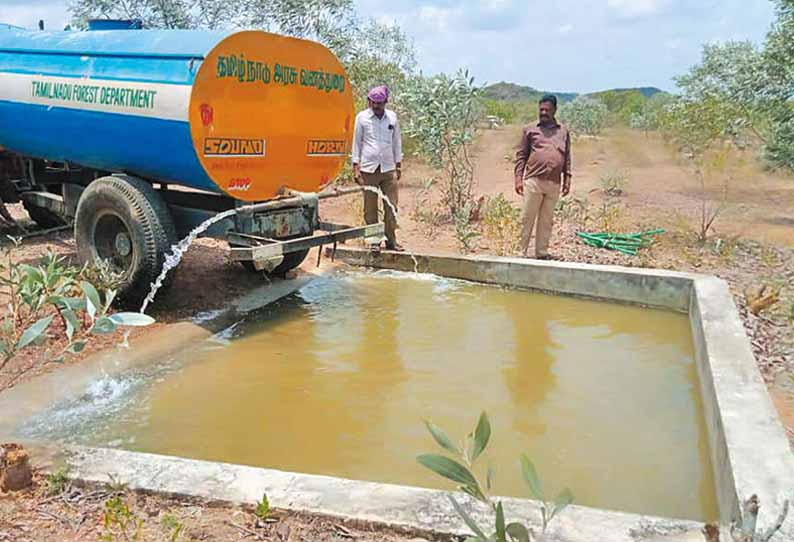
column 206, row 316
column 386, row 201
column 178, row 251
column 105, row 396
column 224, row 337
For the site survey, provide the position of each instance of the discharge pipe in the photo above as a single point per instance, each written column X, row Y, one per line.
column 295, row 199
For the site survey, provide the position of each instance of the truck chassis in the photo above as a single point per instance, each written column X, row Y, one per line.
column 133, row 222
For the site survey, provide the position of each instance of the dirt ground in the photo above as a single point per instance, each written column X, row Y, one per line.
column 752, row 244
column 82, row 514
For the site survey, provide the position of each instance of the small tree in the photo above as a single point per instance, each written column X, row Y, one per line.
column 754, row 86
column 707, row 139
column 778, row 64
column 728, row 81
column 442, row 113
column 648, row 119
column 584, row 115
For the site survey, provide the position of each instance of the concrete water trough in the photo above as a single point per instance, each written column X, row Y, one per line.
column 747, row 447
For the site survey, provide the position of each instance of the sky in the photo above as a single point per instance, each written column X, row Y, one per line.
column 562, row 45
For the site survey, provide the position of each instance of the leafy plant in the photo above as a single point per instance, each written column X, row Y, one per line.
column 103, row 276
column 465, row 232
column 174, row 527
column 502, row 221
column 119, row 522
column 548, row 509
column 574, row 209
column 116, row 485
column 54, row 291
column 609, row 215
column 262, row 510
column 769, row 256
column 725, row 248
column 461, row 471
column 621, row 103
column 56, row 481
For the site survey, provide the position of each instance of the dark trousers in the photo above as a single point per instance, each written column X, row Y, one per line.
column 387, row 184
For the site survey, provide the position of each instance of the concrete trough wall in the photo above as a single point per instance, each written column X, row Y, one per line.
column 749, row 450
column 650, row 288
column 416, row 510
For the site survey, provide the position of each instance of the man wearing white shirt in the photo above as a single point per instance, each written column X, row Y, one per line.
column 377, row 159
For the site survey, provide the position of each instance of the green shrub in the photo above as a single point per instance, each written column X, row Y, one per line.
column 120, row 522
column 584, row 115
column 51, row 291
column 263, row 508
column 502, row 222
column 56, row 481
column 466, row 232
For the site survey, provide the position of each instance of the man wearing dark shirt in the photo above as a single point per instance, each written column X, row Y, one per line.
column 542, row 173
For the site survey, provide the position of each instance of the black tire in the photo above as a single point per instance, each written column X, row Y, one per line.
column 290, row 262
column 43, row 217
column 124, row 220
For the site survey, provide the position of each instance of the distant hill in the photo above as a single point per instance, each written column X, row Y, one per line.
column 509, row 101
column 645, row 92
column 511, row 92
column 624, row 102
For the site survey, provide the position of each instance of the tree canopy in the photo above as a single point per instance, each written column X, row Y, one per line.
column 372, row 52
column 744, row 91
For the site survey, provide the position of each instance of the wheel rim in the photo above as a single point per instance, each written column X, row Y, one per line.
column 112, row 242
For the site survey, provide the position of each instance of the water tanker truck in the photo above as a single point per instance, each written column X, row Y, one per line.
column 138, row 136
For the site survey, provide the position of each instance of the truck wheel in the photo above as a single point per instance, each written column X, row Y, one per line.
column 43, row 217
column 122, row 219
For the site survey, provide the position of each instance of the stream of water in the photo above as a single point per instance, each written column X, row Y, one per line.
column 178, row 251
column 377, row 191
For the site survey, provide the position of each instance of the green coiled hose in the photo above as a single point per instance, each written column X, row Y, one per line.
column 626, row 243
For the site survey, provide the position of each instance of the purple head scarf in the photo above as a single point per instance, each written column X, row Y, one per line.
column 379, row 94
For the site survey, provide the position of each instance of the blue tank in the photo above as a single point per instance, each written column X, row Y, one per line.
column 113, row 100
column 246, row 114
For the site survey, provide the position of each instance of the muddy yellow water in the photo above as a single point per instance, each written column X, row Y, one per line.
column 337, row 380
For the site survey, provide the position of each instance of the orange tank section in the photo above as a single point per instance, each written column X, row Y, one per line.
column 269, row 112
